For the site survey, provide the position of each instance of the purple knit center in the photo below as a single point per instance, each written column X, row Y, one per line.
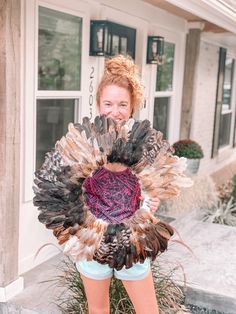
column 112, row 196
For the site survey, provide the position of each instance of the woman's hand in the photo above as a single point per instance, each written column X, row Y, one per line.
column 154, row 203
column 151, row 203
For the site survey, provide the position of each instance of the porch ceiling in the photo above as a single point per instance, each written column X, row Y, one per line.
column 175, row 10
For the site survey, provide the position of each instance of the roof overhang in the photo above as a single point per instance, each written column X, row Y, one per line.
column 218, row 15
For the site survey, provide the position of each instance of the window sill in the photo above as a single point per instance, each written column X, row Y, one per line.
column 225, row 152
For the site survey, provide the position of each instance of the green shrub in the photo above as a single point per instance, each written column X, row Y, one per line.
column 189, row 149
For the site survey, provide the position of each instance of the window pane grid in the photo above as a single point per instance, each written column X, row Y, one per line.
column 53, row 117
column 225, row 125
column 226, row 111
column 59, row 77
column 164, row 81
column 59, row 50
column 161, row 115
column 227, row 89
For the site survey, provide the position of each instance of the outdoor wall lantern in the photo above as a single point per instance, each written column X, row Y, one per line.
column 109, row 39
column 155, row 49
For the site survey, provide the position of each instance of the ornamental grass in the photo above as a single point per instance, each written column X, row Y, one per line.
column 224, row 211
column 227, row 190
column 73, row 301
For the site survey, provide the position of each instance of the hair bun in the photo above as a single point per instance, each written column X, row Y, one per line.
column 121, row 65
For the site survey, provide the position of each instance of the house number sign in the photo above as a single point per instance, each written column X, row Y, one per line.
column 91, row 90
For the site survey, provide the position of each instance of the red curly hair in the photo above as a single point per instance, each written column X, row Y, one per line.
column 123, row 72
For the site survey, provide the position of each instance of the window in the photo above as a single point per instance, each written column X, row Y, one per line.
column 164, row 90
column 59, row 50
column 161, row 113
column 53, row 116
column 223, row 113
column 164, row 80
column 59, row 77
column 226, row 109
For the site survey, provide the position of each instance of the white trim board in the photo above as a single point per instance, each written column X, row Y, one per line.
column 226, row 40
column 8, row 292
column 35, row 259
column 209, row 10
column 147, row 12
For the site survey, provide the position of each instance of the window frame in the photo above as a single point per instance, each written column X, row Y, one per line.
column 30, row 77
column 175, row 95
column 233, row 103
column 230, row 110
column 216, row 149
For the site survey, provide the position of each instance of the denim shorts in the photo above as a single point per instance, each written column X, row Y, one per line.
column 94, row 270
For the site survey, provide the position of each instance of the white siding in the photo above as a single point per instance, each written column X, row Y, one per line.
column 147, row 20
column 204, row 109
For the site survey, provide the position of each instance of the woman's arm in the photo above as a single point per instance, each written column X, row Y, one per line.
column 151, row 203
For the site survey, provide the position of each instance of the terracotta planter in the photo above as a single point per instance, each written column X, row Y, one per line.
column 192, row 167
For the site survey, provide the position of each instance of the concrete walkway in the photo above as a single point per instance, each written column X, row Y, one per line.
column 40, row 293
column 210, row 271
column 209, row 265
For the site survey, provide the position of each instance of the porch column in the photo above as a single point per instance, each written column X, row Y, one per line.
column 191, row 59
column 10, row 17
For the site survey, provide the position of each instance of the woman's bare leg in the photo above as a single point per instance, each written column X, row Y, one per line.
column 142, row 294
column 97, row 293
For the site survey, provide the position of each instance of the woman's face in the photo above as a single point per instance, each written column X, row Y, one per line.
column 115, row 103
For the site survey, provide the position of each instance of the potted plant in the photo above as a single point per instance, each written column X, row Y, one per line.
column 190, row 150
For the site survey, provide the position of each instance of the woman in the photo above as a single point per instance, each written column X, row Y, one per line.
column 119, row 95
column 87, row 194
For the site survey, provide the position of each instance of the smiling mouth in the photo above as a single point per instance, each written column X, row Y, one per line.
column 119, row 120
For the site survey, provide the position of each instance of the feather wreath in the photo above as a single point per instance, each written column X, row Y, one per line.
column 59, row 191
